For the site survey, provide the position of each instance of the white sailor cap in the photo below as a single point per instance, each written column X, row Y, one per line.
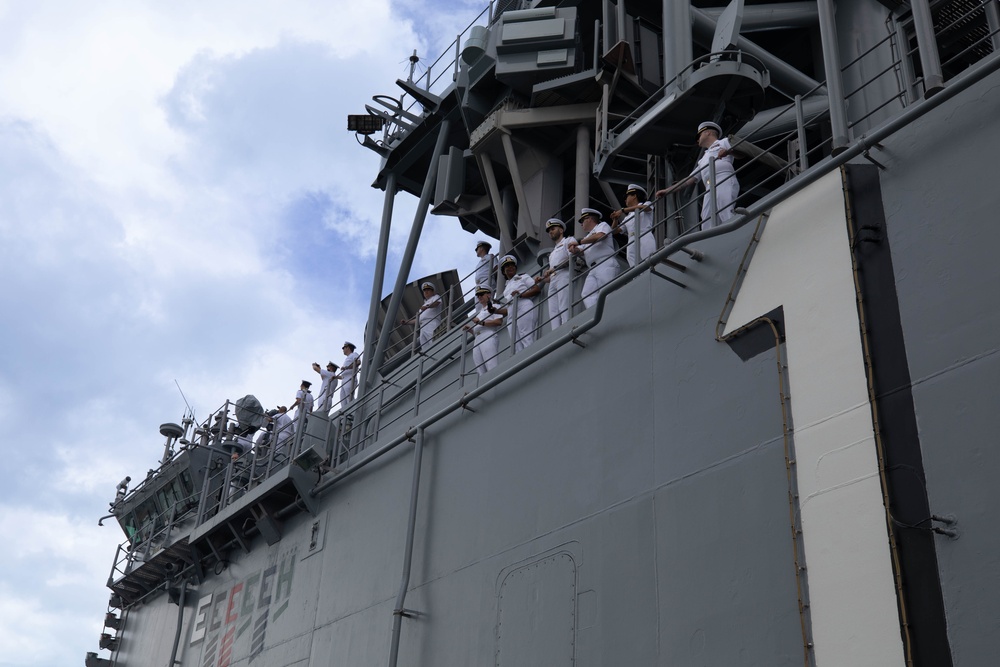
column 482, row 290
column 483, row 244
column 584, row 212
column 709, row 125
column 350, row 345
column 429, row 286
column 508, row 259
column 637, row 189
column 554, row 222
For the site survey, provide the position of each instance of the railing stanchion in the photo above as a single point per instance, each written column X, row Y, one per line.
column 800, row 123
column 512, row 328
column 417, row 387
column 712, row 190
column 463, row 365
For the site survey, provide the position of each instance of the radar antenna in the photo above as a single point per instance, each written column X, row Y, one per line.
column 189, row 412
column 414, row 61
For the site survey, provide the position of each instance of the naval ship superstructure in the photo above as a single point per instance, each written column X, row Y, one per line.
column 772, row 441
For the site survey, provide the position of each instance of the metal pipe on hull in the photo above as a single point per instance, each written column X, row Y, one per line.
column 180, row 623
column 407, row 262
column 379, row 279
column 399, row 611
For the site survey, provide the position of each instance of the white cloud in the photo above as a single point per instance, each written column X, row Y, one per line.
column 181, row 200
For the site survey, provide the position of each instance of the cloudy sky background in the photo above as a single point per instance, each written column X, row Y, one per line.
column 179, row 200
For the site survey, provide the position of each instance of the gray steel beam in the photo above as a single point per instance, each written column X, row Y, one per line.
column 379, row 279
column 541, row 116
column 619, row 22
column 486, row 167
column 515, row 176
column 584, row 166
column 677, row 49
column 784, row 78
column 757, row 18
column 834, row 82
column 781, row 120
column 930, row 60
column 375, row 360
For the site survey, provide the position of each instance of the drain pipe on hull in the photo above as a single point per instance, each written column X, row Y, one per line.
column 180, row 622
column 400, row 611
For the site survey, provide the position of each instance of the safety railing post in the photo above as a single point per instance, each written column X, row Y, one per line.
column 203, row 501
column 417, row 386
column 713, row 201
column 341, row 451
column 463, row 364
column 450, row 292
column 571, row 284
column 226, row 482
column 378, row 409
column 512, row 309
column 800, row 123
column 170, row 524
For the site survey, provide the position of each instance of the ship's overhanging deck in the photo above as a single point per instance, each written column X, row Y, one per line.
column 732, row 82
column 411, row 155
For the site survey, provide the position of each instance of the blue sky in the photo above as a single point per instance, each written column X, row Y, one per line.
column 179, row 200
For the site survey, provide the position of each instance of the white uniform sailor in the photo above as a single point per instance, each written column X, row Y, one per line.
column 519, row 287
column 598, row 250
column 348, row 374
column 324, row 400
column 484, row 326
column 428, row 316
column 726, row 188
column 283, row 431
column 485, row 274
column 637, row 213
column 557, row 273
column 303, row 399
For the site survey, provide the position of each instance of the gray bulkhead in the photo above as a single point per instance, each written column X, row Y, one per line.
column 607, row 468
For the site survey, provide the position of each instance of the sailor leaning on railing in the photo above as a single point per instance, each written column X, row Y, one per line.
column 484, row 326
column 724, row 187
column 519, row 295
column 557, row 273
column 637, row 213
column 597, row 247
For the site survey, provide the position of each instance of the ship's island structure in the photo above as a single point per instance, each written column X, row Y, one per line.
column 769, row 438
